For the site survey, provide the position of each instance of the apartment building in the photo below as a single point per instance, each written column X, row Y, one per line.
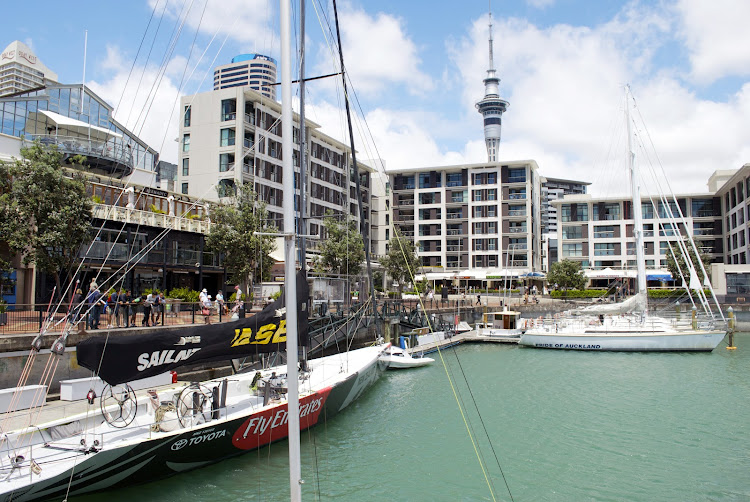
column 21, row 70
column 232, row 136
column 475, row 217
column 598, row 231
column 252, row 70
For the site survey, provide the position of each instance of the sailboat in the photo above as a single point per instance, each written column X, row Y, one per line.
column 628, row 326
column 120, row 437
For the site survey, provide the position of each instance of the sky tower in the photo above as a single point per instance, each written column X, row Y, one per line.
column 492, row 108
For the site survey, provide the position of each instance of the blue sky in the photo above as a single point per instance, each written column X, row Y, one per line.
column 417, row 70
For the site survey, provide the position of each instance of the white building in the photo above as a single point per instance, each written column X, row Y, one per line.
column 598, row 232
column 232, row 136
column 253, row 70
column 21, row 70
column 476, row 216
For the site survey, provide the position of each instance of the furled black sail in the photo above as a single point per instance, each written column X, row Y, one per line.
column 127, row 358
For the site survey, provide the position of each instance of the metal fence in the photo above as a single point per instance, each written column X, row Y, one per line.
column 25, row 318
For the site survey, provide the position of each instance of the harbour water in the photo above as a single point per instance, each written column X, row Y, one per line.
column 553, row 425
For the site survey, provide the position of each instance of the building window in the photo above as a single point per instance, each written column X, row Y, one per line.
column 572, row 232
column 517, row 175
column 601, row 249
column 227, row 137
column 606, row 232
column 188, row 111
column 186, row 167
column 606, row 211
column 226, row 162
column 572, row 250
column 185, row 188
column 453, row 179
column 186, row 143
column 228, row 109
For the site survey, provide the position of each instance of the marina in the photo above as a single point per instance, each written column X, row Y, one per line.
column 565, row 426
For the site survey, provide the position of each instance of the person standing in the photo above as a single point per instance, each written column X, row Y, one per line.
column 157, row 310
column 92, row 300
column 220, row 302
column 237, row 299
column 77, row 303
column 123, row 307
column 148, row 300
column 112, row 309
column 205, row 301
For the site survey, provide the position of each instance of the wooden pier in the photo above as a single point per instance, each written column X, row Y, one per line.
column 466, row 337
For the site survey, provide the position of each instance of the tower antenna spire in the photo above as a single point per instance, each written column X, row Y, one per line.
column 492, row 59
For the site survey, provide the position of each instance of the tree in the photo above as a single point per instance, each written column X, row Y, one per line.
column 567, row 274
column 233, row 233
column 672, row 264
column 402, row 260
column 45, row 215
column 342, row 252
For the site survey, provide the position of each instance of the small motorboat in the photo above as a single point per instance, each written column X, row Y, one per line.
column 398, row 358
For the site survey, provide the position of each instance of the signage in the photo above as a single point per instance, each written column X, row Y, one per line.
column 155, row 191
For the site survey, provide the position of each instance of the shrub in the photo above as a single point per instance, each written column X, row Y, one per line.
column 578, row 293
column 184, row 294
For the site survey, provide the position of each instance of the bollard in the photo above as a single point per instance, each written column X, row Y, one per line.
column 695, row 318
column 677, row 309
column 730, row 328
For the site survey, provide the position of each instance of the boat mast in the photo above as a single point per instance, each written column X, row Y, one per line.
column 290, row 284
column 635, row 190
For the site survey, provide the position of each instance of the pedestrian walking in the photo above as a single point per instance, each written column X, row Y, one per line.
column 93, row 300
column 479, row 299
column 220, row 302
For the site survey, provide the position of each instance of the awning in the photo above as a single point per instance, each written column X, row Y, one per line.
column 438, row 276
column 504, row 273
column 472, row 273
column 534, row 275
column 66, row 126
column 608, row 273
column 659, row 277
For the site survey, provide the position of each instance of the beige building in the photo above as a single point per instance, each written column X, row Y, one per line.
column 476, row 216
column 232, row 136
column 21, row 70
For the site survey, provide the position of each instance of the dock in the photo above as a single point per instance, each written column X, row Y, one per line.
column 466, row 337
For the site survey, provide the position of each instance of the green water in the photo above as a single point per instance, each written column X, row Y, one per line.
column 565, row 426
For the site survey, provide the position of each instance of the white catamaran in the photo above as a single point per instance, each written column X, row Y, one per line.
column 629, row 326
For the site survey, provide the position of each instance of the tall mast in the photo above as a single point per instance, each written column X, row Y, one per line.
column 635, row 190
column 290, row 284
column 363, row 228
column 302, row 143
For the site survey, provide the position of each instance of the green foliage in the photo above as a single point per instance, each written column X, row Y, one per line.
column 156, row 210
column 184, row 294
column 673, row 293
column 96, row 199
column 342, row 252
column 3, row 306
column 44, row 214
column 233, row 233
column 233, row 297
column 567, row 274
column 276, row 295
column 402, row 261
column 672, row 264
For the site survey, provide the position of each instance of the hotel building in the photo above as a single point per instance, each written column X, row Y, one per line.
column 21, row 70
column 252, row 70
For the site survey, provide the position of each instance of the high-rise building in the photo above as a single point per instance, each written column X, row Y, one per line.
column 254, row 70
column 492, row 108
column 21, row 70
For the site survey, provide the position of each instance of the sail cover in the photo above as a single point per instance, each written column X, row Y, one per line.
column 635, row 303
column 126, row 358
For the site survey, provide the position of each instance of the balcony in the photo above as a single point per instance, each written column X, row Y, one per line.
column 110, row 157
column 517, row 212
column 149, row 218
column 249, row 119
column 517, row 196
column 517, row 230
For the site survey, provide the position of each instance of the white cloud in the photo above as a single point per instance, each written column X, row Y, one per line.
column 540, row 4
column 717, row 37
column 250, row 22
column 377, row 53
column 147, row 106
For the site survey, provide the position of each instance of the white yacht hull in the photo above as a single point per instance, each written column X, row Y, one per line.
column 637, row 341
column 44, row 462
column 397, row 358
